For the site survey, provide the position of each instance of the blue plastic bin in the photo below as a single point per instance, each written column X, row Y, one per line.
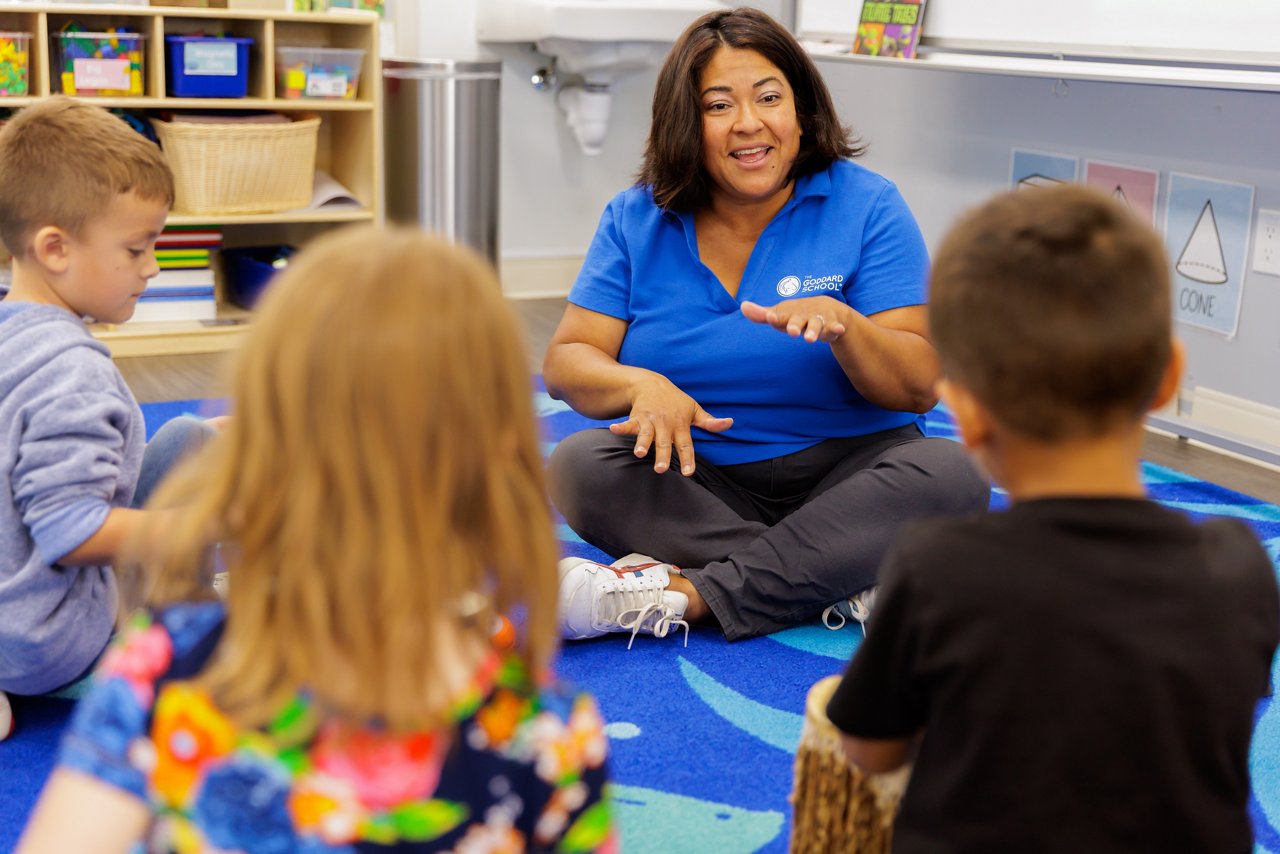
column 208, row 66
column 247, row 271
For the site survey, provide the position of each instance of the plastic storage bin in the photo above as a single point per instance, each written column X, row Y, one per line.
column 208, row 66
column 318, row 72
column 247, row 271
column 15, row 63
column 240, row 168
column 110, row 64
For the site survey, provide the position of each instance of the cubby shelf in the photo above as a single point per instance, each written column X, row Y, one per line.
column 349, row 145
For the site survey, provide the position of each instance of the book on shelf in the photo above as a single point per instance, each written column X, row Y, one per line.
column 193, row 263
column 199, row 277
column 170, row 259
column 889, row 28
column 177, row 295
column 201, row 293
column 163, row 252
column 189, row 237
column 178, row 308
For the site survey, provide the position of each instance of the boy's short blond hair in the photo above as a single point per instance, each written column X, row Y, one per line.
column 62, row 162
column 1053, row 307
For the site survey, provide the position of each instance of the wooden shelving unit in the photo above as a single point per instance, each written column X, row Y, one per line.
column 349, row 146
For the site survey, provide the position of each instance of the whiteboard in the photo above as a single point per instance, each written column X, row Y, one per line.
column 1222, row 30
column 963, row 156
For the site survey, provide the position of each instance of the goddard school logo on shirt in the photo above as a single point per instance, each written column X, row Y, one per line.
column 789, row 286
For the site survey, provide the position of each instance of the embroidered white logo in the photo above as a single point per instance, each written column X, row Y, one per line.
column 788, row 286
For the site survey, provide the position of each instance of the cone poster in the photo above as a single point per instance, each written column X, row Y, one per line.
column 1031, row 169
column 1207, row 224
column 1136, row 187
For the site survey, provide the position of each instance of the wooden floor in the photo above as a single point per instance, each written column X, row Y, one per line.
column 193, row 377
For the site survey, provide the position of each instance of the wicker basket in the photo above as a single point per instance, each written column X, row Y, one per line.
column 240, row 168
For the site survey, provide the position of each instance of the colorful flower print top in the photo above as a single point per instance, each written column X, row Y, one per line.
column 522, row 770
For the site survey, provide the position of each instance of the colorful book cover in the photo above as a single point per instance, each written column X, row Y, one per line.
column 183, row 254
column 190, row 237
column 889, row 28
column 194, row 239
column 183, row 263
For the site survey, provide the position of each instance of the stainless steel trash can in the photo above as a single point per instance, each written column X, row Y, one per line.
column 440, row 137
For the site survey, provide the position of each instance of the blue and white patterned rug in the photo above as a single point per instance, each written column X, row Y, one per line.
column 703, row 737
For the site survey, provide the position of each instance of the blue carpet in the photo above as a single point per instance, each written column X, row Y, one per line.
column 703, row 737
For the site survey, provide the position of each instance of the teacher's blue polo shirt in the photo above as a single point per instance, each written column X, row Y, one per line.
column 846, row 233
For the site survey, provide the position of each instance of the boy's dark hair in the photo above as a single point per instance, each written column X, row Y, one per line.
column 673, row 165
column 1053, row 307
column 62, row 162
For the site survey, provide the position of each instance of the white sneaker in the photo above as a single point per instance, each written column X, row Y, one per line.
column 6, row 717
column 629, row 596
column 857, row 607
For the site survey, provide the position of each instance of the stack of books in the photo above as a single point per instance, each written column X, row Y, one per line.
column 183, row 290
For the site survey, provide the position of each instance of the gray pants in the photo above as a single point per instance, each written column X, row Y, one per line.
column 770, row 543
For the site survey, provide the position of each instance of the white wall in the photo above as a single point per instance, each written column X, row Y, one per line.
column 945, row 139
column 551, row 194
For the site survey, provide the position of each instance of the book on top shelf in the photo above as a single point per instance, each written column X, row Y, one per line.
column 889, row 28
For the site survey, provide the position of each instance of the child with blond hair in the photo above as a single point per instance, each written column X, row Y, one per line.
column 1079, row 672
column 82, row 200
column 377, row 500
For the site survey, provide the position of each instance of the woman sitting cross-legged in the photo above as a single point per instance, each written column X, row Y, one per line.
column 762, row 298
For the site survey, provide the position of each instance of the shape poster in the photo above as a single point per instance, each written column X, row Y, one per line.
column 1040, row 169
column 1206, row 233
column 1138, row 188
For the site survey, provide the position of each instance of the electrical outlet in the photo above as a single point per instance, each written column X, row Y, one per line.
column 1266, row 243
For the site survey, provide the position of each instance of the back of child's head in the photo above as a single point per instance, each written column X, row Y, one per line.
column 1052, row 307
column 62, row 162
column 379, row 490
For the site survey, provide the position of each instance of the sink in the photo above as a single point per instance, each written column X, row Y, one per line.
column 591, row 42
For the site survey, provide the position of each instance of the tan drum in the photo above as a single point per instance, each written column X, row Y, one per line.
column 836, row 806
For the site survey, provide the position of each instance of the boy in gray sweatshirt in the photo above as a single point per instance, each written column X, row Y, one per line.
column 83, row 198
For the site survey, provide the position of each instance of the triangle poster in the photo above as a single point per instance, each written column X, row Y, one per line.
column 1136, row 187
column 1207, row 235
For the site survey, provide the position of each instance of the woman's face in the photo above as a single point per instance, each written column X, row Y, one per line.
column 750, row 133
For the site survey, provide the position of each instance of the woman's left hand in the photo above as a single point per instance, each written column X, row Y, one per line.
column 811, row 318
column 886, row 356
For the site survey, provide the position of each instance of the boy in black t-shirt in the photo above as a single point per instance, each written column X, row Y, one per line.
column 1079, row 673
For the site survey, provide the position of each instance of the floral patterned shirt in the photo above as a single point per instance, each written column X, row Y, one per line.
column 523, row 768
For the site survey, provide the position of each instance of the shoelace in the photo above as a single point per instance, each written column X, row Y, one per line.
column 666, row 618
column 643, row 597
column 859, row 608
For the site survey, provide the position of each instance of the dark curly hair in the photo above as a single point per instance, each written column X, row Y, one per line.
column 673, row 162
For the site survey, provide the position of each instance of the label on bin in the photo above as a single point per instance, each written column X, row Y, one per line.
column 209, row 59
column 325, row 85
column 102, row 73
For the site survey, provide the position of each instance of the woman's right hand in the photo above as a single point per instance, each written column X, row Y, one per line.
column 581, row 367
column 661, row 418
